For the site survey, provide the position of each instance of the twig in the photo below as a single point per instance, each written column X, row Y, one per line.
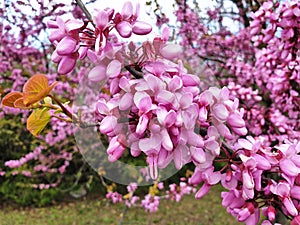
column 123, row 215
column 85, row 11
column 64, row 109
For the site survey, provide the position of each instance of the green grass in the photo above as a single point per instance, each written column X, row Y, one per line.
column 207, row 211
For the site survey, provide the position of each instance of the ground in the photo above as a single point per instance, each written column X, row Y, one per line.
column 207, row 211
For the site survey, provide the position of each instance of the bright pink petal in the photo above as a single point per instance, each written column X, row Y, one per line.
column 202, row 191
column 66, row 64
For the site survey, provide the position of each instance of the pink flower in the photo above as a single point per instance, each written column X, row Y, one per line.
column 115, row 149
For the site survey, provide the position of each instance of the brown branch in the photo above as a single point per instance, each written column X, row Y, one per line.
column 85, row 11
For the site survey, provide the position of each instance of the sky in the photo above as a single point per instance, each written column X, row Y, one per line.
column 166, row 6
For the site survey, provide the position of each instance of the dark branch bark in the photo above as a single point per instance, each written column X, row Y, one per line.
column 85, row 11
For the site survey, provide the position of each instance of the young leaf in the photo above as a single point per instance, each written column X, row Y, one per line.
column 37, row 121
column 36, row 88
column 10, row 98
column 19, row 103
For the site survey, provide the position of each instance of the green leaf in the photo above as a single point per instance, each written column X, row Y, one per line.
column 38, row 120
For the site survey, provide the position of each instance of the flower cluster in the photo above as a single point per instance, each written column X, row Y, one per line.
column 75, row 40
column 157, row 192
column 161, row 115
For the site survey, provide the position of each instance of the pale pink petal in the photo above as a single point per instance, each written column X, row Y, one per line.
column 142, row 101
column 243, row 143
column 190, row 80
column 154, row 83
column 170, row 51
column 127, row 10
column 142, row 124
column 152, row 143
column 57, row 35
column 56, row 57
column 124, row 84
column 181, row 156
column 290, row 207
column 220, row 112
column 102, row 107
column 141, row 28
column 165, row 97
column 262, row 162
column 114, row 86
column 186, row 100
column 170, row 118
column 82, row 51
column 175, row 84
column 124, row 29
column 164, row 158
column 235, row 120
column 73, row 25
column 66, row 46
column 198, row 154
column 113, row 69
column 166, row 140
column 101, row 20
column 108, row 124
column 98, row 73
column 288, row 167
column 248, row 181
column 152, row 162
column 52, row 24
column 126, row 101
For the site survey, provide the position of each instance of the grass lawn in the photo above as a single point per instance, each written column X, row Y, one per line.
column 207, row 211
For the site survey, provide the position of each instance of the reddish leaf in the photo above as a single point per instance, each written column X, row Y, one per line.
column 19, row 103
column 36, row 88
column 10, row 98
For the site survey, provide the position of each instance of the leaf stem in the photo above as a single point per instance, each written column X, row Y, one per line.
column 64, row 109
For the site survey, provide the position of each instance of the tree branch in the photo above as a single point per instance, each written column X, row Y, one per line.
column 85, row 11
